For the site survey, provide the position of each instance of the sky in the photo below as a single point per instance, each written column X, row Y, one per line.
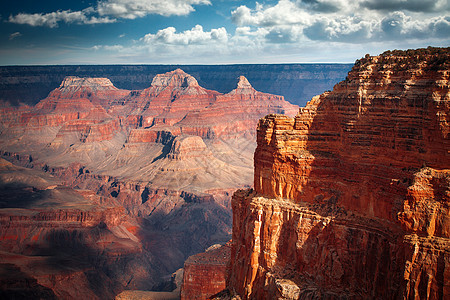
column 215, row 31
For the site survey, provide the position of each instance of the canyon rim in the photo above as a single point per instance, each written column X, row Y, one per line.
column 105, row 189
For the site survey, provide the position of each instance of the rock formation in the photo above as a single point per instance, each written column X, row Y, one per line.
column 167, row 158
column 167, row 100
column 296, row 82
column 59, row 242
column 205, row 273
column 235, row 112
column 352, row 195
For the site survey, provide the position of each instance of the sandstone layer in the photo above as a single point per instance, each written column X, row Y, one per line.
column 167, row 157
column 352, row 195
column 143, row 136
column 205, row 273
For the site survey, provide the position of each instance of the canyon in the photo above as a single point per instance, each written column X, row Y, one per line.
column 106, row 189
column 351, row 196
column 296, row 82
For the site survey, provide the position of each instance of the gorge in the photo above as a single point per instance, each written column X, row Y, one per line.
column 113, row 189
column 106, row 189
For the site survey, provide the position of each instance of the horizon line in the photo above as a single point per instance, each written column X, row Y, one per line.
column 177, row 64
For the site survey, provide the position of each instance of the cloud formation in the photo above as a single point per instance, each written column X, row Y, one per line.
column 409, row 5
column 274, row 31
column 14, row 35
column 109, row 11
column 108, row 48
column 284, row 12
column 54, row 18
column 346, row 21
column 194, row 36
column 132, row 9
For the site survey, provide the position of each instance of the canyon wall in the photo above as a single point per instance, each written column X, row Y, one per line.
column 167, row 159
column 352, row 195
column 205, row 273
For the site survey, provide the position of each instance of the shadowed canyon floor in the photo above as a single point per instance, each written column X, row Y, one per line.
column 114, row 189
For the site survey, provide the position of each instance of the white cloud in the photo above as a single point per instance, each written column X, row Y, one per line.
column 398, row 25
column 132, row 9
column 52, row 19
column 108, row 48
column 344, row 29
column 109, row 11
column 189, row 37
column 345, row 21
column 14, row 35
column 283, row 13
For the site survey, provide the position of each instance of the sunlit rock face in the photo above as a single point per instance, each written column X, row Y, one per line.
column 352, row 195
column 205, row 273
column 143, row 181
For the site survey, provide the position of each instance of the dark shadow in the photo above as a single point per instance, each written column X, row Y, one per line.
column 73, row 253
column 15, row 284
column 144, row 195
column 165, row 150
column 18, row 195
column 185, row 231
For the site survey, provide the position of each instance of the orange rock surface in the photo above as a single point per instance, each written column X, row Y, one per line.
column 167, row 157
column 205, row 273
column 352, row 195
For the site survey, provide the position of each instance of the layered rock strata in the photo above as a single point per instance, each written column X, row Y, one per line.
column 352, row 195
column 296, row 82
column 169, row 157
column 205, row 273
column 136, row 135
column 63, row 242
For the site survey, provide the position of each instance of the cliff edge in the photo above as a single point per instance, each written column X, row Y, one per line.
column 352, row 195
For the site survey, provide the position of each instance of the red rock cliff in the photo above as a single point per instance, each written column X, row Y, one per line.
column 352, row 195
column 205, row 273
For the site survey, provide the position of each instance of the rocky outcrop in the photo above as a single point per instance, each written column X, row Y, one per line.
column 205, row 273
column 235, row 112
column 167, row 100
column 351, row 196
column 288, row 250
column 75, row 99
column 387, row 120
column 170, row 175
column 187, row 147
column 99, row 91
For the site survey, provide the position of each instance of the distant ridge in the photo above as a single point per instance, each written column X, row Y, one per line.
column 298, row 83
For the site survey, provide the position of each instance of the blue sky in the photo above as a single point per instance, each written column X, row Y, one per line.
column 215, row 31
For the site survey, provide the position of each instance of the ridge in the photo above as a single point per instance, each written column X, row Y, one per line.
column 176, row 78
column 74, row 83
